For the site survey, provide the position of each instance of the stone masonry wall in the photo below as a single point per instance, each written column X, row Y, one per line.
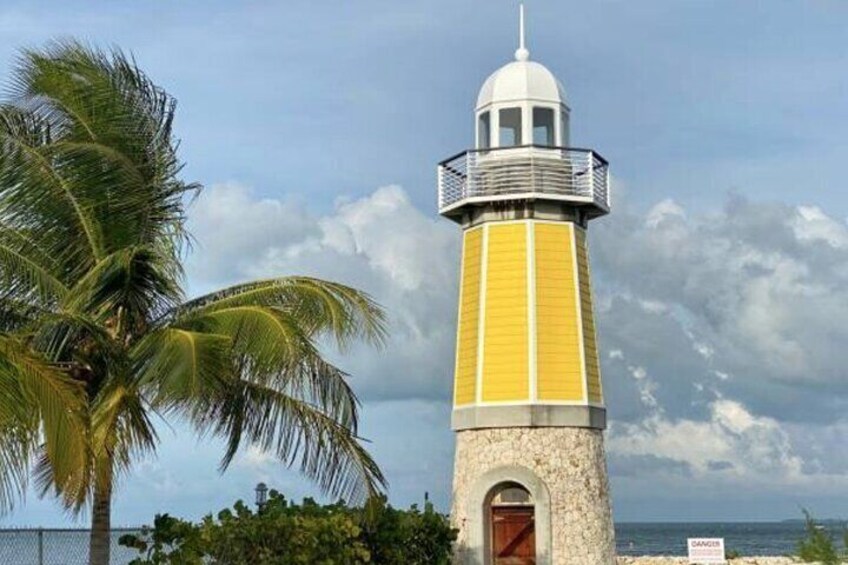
column 569, row 461
column 649, row 560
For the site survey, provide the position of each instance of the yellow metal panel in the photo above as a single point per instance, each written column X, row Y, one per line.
column 465, row 388
column 593, row 369
column 505, row 348
column 558, row 366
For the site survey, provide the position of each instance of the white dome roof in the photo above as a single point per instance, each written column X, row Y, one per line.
column 521, row 80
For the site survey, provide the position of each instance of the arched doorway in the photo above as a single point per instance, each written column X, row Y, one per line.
column 512, row 525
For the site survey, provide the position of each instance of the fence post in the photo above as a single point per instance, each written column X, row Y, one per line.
column 40, row 546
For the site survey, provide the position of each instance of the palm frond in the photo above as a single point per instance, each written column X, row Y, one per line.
column 19, row 431
column 121, row 429
column 178, row 367
column 273, row 350
column 89, row 129
column 139, row 282
column 299, row 434
column 16, row 315
column 58, row 402
column 320, row 307
column 37, row 196
column 26, row 272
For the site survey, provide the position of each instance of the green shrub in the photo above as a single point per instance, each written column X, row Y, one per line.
column 406, row 537
column 284, row 533
column 170, row 540
column 817, row 545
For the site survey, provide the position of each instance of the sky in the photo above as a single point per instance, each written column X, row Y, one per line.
column 721, row 275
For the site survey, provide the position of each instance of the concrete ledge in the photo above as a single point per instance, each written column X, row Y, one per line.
column 528, row 416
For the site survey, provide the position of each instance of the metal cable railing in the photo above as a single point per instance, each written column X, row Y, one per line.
column 530, row 171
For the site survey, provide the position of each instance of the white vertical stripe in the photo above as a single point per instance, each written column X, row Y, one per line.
column 481, row 318
column 581, row 346
column 531, row 310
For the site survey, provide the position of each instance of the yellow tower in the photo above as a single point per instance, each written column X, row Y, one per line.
column 530, row 481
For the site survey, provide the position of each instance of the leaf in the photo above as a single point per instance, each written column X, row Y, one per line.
column 321, row 307
column 299, row 434
column 37, row 401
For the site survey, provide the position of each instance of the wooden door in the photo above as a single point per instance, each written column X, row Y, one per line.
column 513, row 535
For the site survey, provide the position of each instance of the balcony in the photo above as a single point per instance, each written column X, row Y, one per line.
column 528, row 172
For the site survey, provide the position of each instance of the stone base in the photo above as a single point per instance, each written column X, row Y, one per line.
column 652, row 560
column 565, row 471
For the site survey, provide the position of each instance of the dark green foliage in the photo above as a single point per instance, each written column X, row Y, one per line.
column 732, row 554
column 818, row 545
column 285, row 533
column 406, row 537
column 170, row 540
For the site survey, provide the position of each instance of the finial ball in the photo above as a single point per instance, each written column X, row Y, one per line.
column 522, row 54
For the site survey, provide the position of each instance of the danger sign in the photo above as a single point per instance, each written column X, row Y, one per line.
column 706, row 551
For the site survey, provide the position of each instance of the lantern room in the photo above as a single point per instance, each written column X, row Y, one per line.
column 522, row 103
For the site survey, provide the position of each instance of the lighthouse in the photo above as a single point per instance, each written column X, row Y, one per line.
column 530, row 482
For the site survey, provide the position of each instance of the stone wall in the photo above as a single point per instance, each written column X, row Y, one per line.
column 566, row 469
column 650, row 560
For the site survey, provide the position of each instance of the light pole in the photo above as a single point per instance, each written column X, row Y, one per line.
column 261, row 495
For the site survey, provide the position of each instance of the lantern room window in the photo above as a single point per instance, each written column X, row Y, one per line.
column 510, row 127
column 563, row 128
column 543, row 126
column 484, row 131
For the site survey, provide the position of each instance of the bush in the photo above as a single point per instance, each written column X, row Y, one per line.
column 170, row 540
column 284, row 533
column 406, row 537
column 818, row 545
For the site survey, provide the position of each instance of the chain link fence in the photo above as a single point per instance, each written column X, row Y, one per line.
column 59, row 546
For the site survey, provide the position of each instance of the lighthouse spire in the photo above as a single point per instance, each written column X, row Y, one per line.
column 521, row 54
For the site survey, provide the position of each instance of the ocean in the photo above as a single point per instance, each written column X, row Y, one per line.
column 70, row 547
column 748, row 538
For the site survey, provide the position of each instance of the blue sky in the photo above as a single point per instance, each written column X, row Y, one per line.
column 722, row 274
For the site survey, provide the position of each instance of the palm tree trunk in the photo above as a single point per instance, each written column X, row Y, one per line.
column 101, row 526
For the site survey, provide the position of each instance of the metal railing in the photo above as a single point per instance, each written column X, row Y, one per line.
column 57, row 546
column 524, row 172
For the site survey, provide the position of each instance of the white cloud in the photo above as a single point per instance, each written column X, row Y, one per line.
column 811, row 224
column 762, row 287
column 666, row 211
column 704, row 349
column 755, row 446
column 235, row 231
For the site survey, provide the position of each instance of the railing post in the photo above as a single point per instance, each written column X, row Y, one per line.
column 592, row 175
column 466, row 188
column 606, row 186
column 439, row 184
column 40, row 546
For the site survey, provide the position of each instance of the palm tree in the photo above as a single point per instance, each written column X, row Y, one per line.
column 96, row 338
